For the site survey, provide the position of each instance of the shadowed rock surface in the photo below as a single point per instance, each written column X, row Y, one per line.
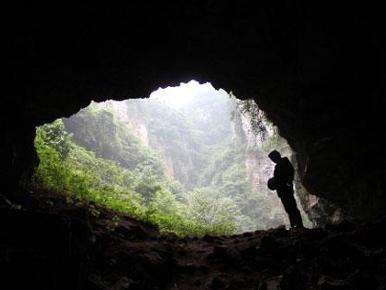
column 317, row 70
column 55, row 246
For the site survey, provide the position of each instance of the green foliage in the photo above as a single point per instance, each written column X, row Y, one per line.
column 88, row 180
column 207, row 206
column 96, row 129
column 165, row 202
column 54, row 135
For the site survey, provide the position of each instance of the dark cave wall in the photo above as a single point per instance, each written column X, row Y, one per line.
column 317, row 71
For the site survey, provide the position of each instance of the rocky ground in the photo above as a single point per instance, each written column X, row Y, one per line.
column 48, row 244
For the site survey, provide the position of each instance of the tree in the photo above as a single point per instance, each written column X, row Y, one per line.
column 165, row 202
column 54, row 135
column 207, row 206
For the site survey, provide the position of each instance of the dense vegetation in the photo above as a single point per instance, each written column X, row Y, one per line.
column 89, row 180
column 183, row 170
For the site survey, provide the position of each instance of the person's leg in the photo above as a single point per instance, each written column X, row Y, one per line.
column 287, row 198
column 295, row 217
column 294, row 212
column 287, row 207
column 298, row 218
column 291, row 218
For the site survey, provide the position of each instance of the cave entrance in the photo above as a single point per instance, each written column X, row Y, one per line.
column 191, row 159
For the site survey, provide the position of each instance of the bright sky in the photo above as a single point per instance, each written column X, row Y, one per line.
column 176, row 97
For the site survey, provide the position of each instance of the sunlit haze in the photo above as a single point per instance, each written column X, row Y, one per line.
column 176, row 97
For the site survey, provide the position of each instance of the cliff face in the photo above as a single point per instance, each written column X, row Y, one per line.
column 137, row 118
column 132, row 115
column 182, row 137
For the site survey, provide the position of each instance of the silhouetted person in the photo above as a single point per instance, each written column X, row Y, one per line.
column 281, row 181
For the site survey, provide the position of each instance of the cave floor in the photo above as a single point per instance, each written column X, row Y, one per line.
column 51, row 245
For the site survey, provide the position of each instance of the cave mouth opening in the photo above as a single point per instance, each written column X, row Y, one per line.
column 190, row 159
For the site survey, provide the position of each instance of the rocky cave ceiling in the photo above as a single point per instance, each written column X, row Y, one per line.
column 318, row 72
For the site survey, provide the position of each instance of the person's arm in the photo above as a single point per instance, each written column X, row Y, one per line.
column 278, row 173
column 288, row 170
